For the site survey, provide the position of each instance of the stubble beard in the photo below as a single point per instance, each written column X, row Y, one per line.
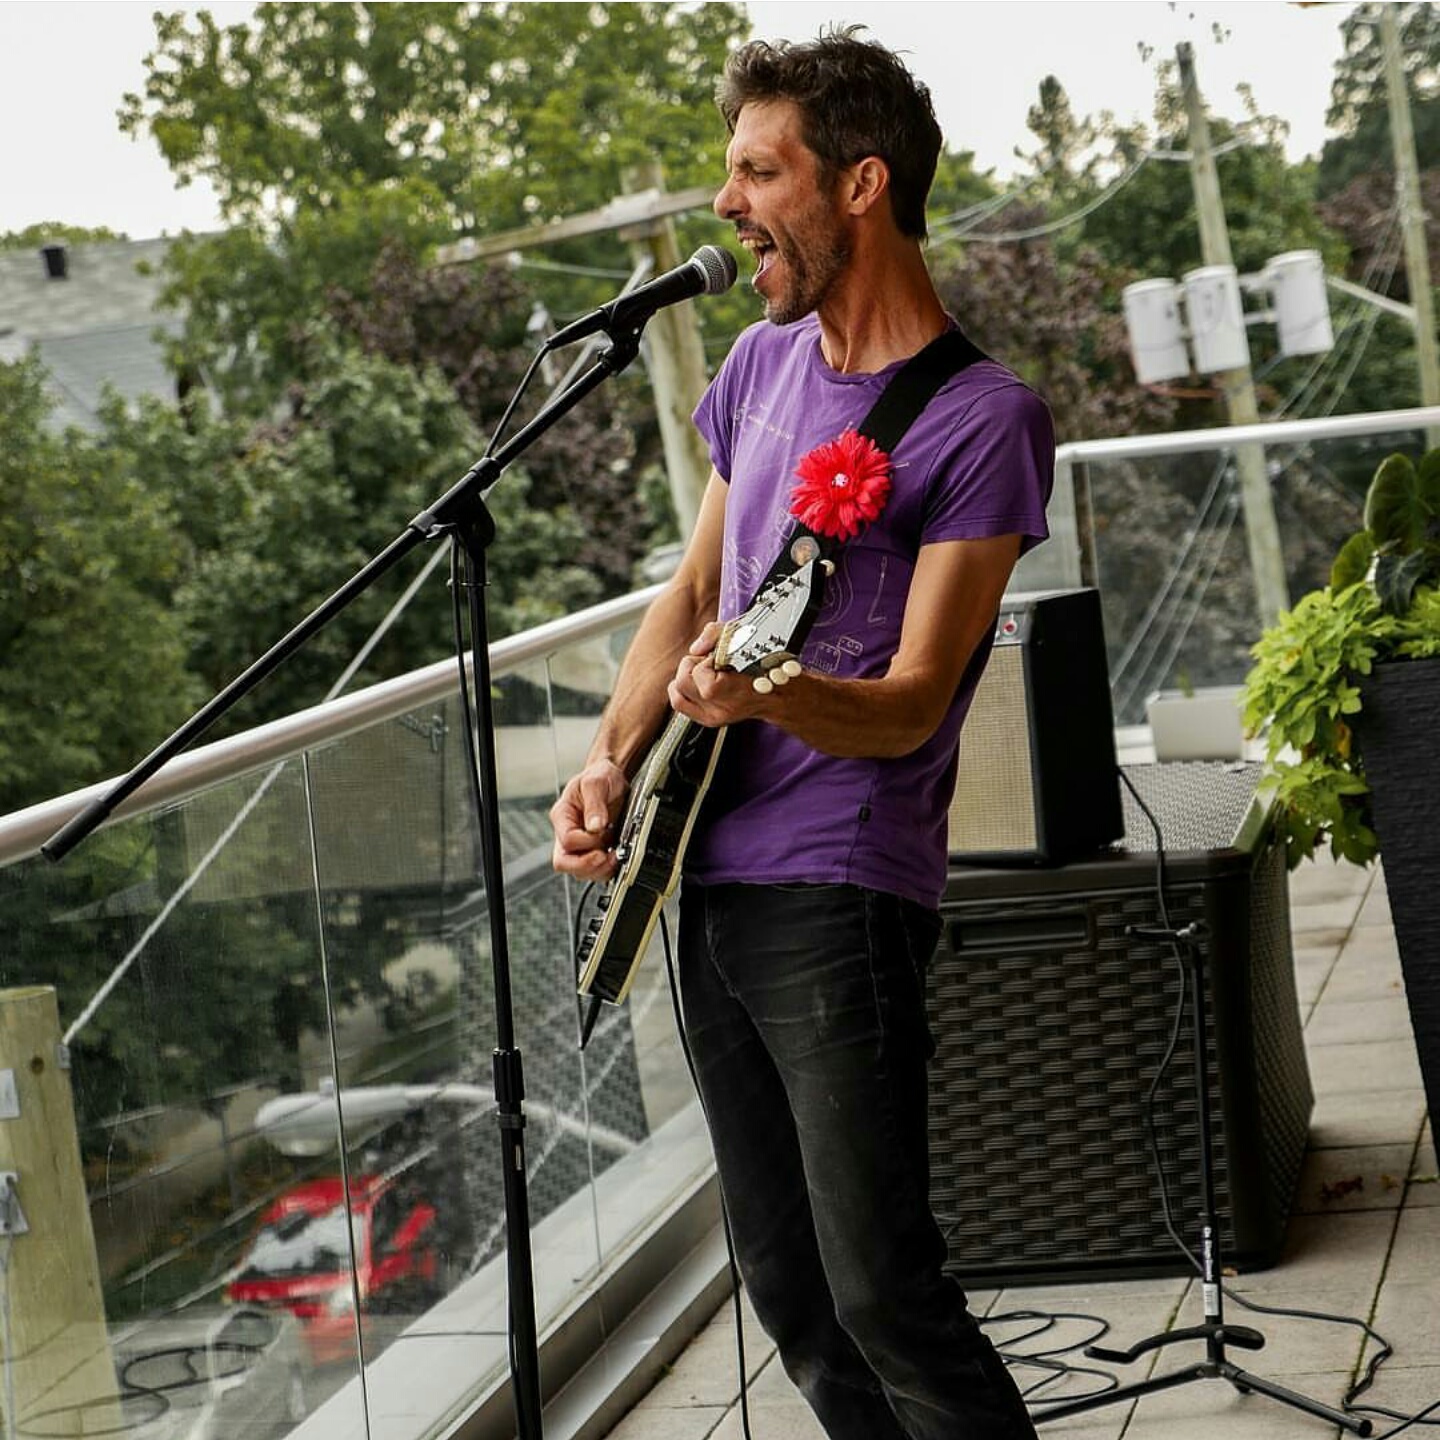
column 814, row 262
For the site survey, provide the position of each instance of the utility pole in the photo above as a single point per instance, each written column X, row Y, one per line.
column 54, row 1347
column 674, row 354
column 1412, row 215
column 675, row 358
column 1262, row 534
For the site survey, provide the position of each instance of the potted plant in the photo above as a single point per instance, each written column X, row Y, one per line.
column 1347, row 688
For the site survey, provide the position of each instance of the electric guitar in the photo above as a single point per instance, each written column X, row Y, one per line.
column 666, row 796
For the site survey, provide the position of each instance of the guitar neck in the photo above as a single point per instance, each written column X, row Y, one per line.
column 678, row 729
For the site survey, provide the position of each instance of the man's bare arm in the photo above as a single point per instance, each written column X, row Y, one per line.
column 591, row 801
column 954, row 594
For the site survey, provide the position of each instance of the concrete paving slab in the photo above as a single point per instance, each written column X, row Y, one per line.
column 1408, row 1317
column 1352, row 1019
column 1374, row 1065
column 1401, row 1392
column 1362, row 974
column 1344, row 1253
column 659, row 1422
column 1415, row 1254
column 1376, row 1117
column 1369, row 1177
column 1312, row 973
column 1326, row 879
column 1328, row 915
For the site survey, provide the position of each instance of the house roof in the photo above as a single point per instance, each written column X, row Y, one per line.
column 94, row 327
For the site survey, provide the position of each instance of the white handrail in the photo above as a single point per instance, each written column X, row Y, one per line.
column 1278, row 432
column 23, row 832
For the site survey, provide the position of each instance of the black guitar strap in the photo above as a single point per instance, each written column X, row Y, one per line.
column 910, row 390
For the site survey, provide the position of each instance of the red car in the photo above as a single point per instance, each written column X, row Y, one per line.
column 300, row 1259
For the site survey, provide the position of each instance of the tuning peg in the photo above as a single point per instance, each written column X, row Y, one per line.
column 763, row 684
column 791, row 668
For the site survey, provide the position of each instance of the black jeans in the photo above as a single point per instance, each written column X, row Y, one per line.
column 804, row 1006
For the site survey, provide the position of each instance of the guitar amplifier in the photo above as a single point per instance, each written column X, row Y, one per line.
column 1038, row 781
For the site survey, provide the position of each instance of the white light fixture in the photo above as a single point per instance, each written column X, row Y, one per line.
column 1217, row 319
column 1296, row 282
column 1157, row 337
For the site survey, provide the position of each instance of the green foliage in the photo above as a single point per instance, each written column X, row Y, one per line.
column 94, row 655
column 1359, row 106
column 1151, row 226
column 1382, row 603
column 276, row 515
column 47, row 232
column 509, row 112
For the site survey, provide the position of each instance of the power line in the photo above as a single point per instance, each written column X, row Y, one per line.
column 1007, row 237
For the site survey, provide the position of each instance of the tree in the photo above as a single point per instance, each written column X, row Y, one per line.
column 276, row 515
column 470, row 324
column 1359, row 105
column 1056, row 325
column 48, row 232
column 505, row 112
column 94, row 666
column 336, row 135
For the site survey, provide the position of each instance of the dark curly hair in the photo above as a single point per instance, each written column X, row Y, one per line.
column 856, row 98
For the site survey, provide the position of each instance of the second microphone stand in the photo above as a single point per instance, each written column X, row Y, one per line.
column 1214, row 1331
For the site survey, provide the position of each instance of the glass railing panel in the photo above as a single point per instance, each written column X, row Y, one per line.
column 1167, row 541
column 409, row 956
column 183, row 950
column 636, row 1074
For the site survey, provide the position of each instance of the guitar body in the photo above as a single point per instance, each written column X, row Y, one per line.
column 670, row 788
column 652, row 847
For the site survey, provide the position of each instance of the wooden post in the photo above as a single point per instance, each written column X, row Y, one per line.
column 1412, row 216
column 676, row 360
column 54, row 1347
column 1262, row 533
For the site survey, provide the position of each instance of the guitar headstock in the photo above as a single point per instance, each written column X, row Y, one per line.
column 766, row 640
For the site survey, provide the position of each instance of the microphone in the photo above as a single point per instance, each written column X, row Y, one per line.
column 709, row 271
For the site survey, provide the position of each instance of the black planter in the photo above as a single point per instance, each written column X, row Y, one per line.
column 1398, row 727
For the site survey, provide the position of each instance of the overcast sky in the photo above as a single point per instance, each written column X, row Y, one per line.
column 65, row 64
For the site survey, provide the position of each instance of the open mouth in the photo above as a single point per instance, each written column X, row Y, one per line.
column 762, row 248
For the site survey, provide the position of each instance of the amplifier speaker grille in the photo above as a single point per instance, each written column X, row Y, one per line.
column 1036, row 780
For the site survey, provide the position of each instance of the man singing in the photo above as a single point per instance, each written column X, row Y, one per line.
column 809, row 908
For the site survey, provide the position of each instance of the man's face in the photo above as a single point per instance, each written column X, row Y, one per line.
column 784, row 210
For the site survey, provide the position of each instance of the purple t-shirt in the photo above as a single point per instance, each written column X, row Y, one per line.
column 977, row 462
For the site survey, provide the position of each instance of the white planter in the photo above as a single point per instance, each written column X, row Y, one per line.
column 1201, row 725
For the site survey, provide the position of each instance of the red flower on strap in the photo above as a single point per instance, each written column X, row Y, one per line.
column 844, row 484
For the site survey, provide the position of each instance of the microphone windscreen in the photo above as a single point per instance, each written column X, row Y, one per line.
column 718, row 266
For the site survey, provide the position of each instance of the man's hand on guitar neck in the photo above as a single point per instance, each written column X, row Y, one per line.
column 584, row 818
column 709, row 695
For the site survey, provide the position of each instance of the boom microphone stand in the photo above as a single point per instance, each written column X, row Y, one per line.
column 1214, row 1331
column 460, row 513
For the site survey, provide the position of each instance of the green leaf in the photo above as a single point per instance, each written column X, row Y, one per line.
column 1395, row 512
column 1352, row 564
column 1396, row 577
column 1428, row 478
